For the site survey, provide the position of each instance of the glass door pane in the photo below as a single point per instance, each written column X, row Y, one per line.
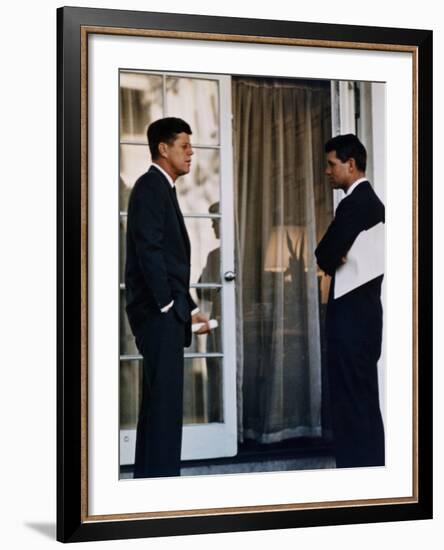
column 141, row 102
column 202, row 402
column 206, row 200
column 196, row 100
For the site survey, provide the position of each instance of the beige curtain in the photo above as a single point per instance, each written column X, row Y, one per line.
column 283, row 207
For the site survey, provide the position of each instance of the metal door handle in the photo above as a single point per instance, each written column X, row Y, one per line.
column 229, row 276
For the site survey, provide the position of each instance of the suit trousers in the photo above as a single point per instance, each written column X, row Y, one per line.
column 159, row 427
column 357, row 422
column 354, row 338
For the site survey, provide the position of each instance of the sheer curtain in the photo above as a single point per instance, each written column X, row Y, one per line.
column 283, row 207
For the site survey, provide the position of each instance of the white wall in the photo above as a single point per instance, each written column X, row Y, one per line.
column 27, row 399
column 378, row 177
column 379, row 138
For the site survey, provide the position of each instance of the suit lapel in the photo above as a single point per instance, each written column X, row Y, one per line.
column 180, row 219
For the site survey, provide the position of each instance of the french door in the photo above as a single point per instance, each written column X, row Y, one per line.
column 206, row 199
column 359, row 108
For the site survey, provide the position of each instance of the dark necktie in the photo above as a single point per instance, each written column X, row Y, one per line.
column 181, row 220
column 175, row 195
column 176, row 203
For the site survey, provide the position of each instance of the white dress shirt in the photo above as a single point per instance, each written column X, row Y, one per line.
column 354, row 185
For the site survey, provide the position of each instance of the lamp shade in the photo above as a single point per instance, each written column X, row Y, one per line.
column 285, row 242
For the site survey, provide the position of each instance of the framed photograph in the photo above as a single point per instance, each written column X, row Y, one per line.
column 259, row 400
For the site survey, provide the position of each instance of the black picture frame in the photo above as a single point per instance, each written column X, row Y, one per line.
column 73, row 522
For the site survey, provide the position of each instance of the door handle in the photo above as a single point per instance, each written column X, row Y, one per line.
column 229, row 275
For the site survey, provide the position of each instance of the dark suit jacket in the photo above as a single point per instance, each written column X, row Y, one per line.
column 357, row 212
column 158, row 252
column 354, row 337
column 353, row 316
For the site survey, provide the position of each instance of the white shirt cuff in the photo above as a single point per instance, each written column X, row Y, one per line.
column 167, row 308
column 195, row 311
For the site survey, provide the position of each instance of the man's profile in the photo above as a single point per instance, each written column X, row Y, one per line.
column 159, row 306
column 354, row 319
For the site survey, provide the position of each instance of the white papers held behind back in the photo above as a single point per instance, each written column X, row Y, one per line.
column 365, row 261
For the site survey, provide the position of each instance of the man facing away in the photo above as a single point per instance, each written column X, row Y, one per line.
column 354, row 320
column 158, row 303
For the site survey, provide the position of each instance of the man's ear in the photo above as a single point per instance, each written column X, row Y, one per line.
column 163, row 149
column 351, row 165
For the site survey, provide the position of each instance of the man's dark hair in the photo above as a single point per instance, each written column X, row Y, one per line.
column 347, row 147
column 165, row 130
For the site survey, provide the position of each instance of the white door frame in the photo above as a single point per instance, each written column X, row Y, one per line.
column 372, row 132
column 218, row 439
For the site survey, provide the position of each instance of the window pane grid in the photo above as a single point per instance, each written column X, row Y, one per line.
column 204, row 361
column 143, row 143
column 186, row 356
column 199, row 190
column 124, row 214
column 193, row 285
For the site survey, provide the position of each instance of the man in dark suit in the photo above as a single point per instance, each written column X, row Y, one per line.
column 354, row 320
column 159, row 306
